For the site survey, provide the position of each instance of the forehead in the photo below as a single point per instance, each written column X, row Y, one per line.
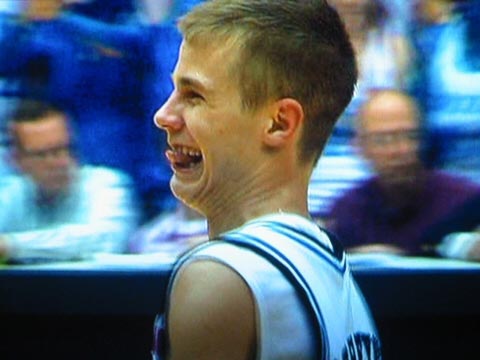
column 49, row 131
column 389, row 112
column 206, row 64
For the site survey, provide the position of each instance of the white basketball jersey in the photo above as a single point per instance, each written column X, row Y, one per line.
column 307, row 304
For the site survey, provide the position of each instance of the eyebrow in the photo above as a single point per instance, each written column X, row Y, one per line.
column 188, row 81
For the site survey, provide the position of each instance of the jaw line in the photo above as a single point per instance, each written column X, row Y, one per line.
column 193, row 190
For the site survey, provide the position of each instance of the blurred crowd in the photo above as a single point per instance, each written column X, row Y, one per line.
column 80, row 81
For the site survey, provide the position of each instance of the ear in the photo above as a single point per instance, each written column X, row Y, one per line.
column 286, row 119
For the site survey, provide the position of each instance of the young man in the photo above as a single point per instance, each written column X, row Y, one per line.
column 257, row 89
column 55, row 208
column 398, row 209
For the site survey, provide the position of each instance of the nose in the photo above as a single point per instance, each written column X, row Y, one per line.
column 407, row 145
column 58, row 165
column 401, row 152
column 169, row 116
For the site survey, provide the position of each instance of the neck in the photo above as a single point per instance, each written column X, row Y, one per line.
column 277, row 197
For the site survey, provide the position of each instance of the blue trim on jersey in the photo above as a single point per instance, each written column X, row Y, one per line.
column 292, row 273
column 336, row 258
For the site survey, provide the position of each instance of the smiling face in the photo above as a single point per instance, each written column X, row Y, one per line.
column 214, row 142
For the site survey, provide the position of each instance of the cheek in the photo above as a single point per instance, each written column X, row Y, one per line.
column 25, row 165
column 378, row 156
column 210, row 137
column 39, row 172
column 223, row 132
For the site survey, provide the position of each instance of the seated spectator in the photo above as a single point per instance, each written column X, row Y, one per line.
column 171, row 232
column 55, row 208
column 383, row 54
column 110, row 76
column 392, row 210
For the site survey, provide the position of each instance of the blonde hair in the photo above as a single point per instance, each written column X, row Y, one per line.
column 286, row 48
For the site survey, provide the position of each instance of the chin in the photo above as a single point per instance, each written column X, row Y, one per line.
column 181, row 191
column 403, row 184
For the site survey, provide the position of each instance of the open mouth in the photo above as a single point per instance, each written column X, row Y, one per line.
column 183, row 157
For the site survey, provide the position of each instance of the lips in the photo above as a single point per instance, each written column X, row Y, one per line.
column 184, row 157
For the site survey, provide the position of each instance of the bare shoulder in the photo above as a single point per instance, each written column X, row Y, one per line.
column 211, row 314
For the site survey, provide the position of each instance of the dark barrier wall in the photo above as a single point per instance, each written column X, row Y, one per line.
column 108, row 314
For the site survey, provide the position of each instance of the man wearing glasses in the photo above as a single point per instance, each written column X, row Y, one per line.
column 54, row 208
column 394, row 210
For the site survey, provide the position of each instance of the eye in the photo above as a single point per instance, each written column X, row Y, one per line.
column 192, row 96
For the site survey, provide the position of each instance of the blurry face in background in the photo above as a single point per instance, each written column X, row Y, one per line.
column 42, row 9
column 43, row 153
column 389, row 137
column 432, row 11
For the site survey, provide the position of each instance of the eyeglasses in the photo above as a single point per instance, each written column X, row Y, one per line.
column 54, row 152
column 392, row 137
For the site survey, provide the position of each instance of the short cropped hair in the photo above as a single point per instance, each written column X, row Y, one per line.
column 29, row 110
column 287, row 48
column 33, row 110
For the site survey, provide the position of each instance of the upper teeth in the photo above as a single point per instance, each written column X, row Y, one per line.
column 188, row 151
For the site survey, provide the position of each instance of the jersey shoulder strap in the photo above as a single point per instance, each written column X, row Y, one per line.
column 292, row 271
